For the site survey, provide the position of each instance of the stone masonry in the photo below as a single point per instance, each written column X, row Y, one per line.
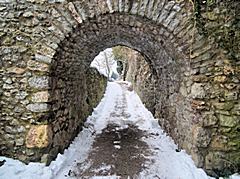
column 47, row 88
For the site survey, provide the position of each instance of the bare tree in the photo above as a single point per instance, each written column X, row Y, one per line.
column 107, row 65
column 104, row 63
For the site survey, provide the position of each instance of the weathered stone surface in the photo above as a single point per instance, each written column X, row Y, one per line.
column 224, row 105
column 37, row 66
column 39, row 136
column 19, row 142
column 198, row 104
column 228, row 121
column 7, row 86
column 236, row 109
column 40, row 97
column 197, row 90
column 46, row 51
column 16, row 70
column 213, row 159
column 42, row 58
column 231, row 95
column 220, row 79
column 219, row 142
column 210, row 120
column 21, row 95
column 38, row 107
column 9, row 129
column 8, row 81
column 37, row 1
column 201, row 137
column 28, row 14
column 39, row 82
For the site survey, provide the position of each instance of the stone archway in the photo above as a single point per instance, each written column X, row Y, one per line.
column 73, row 58
column 66, row 36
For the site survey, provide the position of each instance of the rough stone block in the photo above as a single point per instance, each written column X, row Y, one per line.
column 219, row 142
column 74, row 13
column 39, row 82
column 38, row 107
column 214, row 159
column 37, row 66
column 19, row 142
column 21, row 95
column 197, row 90
column 43, row 58
column 224, row 105
column 40, row 97
column 16, row 70
column 209, row 120
column 201, row 136
column 39, row 136
column 220, row 78
column 228, row 121
column 231, row 95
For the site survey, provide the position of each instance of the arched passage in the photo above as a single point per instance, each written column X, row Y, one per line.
column 75, row 53
column 73, row 33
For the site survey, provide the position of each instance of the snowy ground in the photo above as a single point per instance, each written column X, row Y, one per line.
column 123, row 109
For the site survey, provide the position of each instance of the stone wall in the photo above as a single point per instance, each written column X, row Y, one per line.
column 49, row 45
column 207, row 138
column 219, row 78
column 141, row 76
column 56, row 113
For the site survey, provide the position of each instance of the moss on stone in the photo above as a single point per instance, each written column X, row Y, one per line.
column 220, row 21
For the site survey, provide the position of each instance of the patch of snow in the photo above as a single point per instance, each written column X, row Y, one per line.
column 117, row 146
column 116, row 142
column 235, row 176
column 103, row 168
column 14, row 169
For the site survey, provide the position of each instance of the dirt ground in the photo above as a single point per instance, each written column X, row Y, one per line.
column 120, row 149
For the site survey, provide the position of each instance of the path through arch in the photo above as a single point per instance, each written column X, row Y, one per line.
column 48, row 46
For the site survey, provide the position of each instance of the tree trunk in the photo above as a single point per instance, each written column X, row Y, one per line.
column 107, row 64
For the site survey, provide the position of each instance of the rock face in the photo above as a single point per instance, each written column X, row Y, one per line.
column 193, row 73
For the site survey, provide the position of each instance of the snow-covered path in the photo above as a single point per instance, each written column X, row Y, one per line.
column 123, row 113
column 121, row 139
